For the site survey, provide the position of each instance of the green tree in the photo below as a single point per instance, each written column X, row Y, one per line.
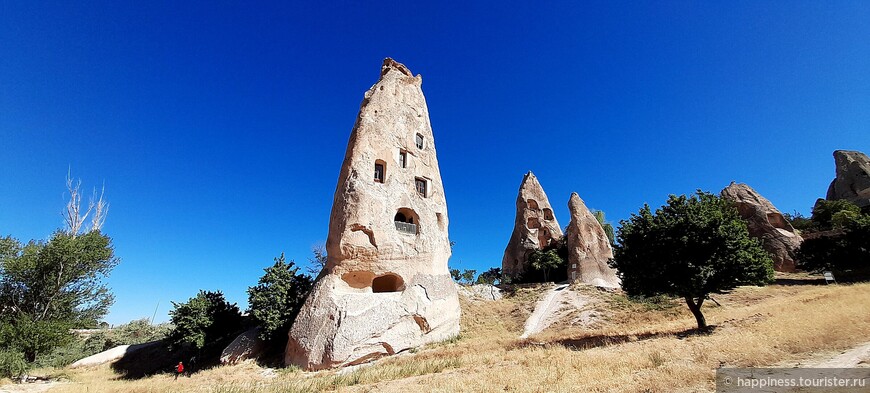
column 545, row 261
column 456, row 274
column 204, row 319
column 317, row 262
column 824, row 212
column 277, row 298
column 846, row 251
column 47, row 287
column 468, row 275
column 690, row 248
column 608, row 227
column 490, row 276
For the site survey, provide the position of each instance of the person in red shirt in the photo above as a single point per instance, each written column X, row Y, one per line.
column 178, row 370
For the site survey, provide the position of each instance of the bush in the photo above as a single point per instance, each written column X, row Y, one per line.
column 845, row 251
column 824, row 212
column 276, row 299
column 12, row 364
column 204, row 319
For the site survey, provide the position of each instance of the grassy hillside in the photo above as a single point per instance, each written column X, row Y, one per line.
column 632, row 347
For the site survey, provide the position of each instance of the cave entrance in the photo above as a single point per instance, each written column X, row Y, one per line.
column 388, row 283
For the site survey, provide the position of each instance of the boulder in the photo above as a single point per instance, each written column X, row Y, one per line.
column 386, row 287
column 853, row 178
column 588, row 248
column 766, row 223
column 485, row 292
column 111, row 355
column 535, row 227
column 247, row 345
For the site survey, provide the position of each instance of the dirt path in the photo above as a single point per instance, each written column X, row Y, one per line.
column 557, row 304
column 856, row 357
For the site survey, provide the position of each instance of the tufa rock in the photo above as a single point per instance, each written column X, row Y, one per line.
column 386, row 287
column 484, row 292
column 766, row 223
column 588, row 248
column 535, row 227
column 112, row 354
column 247, row 345
column 853, row 178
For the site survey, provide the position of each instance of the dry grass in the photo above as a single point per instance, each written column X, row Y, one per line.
column 635, row 348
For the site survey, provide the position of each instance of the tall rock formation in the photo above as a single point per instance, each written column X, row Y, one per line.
column 535, row 227
column 386, row 287
column 766, row 223
column 588, row 248
column 853, row 178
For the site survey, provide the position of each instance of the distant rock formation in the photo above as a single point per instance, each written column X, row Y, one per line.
column 853, row 178
column 535, row 227
column 766, row 223
column 588, row 248
column 386, row 287
column 484, row 292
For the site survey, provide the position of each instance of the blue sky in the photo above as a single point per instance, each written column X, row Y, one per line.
column 218, row 128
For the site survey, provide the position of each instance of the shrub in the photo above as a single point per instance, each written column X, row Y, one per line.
column 12, row 364
column 276, row 299
column 203, row 319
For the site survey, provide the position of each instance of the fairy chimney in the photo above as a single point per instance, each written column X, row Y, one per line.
column 386, row 287
column 852, row 182
column 767, row 224
column 535, row 227
column 588, row 248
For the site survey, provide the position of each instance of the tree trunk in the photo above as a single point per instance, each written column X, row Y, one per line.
column 696, row 311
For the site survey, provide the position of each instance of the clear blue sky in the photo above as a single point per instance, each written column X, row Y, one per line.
column 218, row 128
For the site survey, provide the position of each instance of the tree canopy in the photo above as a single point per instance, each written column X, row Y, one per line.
column 690, row 248
column 277, row 298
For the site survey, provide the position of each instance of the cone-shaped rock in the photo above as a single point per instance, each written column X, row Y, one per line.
column 535, row 227
column 767, row 224
column 386, row 287
column 588, row 248
column 853, row 178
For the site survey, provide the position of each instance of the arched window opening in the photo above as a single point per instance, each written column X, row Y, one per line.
column 380, row 171
column 548, row 214
column 407, row 221
column 533, row 204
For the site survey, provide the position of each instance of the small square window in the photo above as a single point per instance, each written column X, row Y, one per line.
column 573, row 266
column 419, row 141
column 421, row 186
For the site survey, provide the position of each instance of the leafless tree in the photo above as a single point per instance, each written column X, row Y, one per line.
column 318, row 261
column 73, row 216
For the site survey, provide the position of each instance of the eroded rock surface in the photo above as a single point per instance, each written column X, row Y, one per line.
column 766, row 223
column 247, row 345
column 588, row 248
column 535, row 227
column 386, row 287
column 853, row 178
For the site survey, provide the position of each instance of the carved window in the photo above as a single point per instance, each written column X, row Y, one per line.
column 380, row 170
column 420, row 184
column 419, row 141
column 403, row 159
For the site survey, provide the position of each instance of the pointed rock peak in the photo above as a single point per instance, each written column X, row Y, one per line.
column 765, row 222
column 390, row 64
column 588, row 247
column 535, row 226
